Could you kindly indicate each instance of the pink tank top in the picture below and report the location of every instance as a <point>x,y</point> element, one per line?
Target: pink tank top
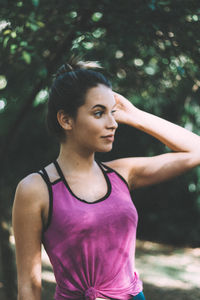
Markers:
<point>92,245</point>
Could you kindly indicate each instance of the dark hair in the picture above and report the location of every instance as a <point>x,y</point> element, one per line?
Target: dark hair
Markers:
<point>68,92</point>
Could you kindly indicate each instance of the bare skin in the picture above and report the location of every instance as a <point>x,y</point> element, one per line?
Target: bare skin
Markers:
<point>96,119</point>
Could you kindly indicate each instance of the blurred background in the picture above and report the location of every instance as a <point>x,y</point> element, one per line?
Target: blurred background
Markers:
<point>150,50</point>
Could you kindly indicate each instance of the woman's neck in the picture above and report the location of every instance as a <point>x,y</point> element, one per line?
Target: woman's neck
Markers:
<point>72,160</point>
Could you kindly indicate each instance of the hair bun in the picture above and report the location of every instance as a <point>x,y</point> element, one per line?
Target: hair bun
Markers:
<point>64,69</point>
<point>75,63</point>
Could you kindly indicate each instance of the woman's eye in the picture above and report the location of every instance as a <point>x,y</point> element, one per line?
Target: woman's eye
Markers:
<point>113,111</point>
<point>98,113</point>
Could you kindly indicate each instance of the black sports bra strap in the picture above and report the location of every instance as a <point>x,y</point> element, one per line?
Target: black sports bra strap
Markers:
<point>104,167</point>
<point>46,175</point>
<point>110,170</point>
<point>43,176</point>
<point>58,169</point>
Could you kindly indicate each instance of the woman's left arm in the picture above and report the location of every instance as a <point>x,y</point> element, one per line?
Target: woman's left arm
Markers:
<point>142,171</point>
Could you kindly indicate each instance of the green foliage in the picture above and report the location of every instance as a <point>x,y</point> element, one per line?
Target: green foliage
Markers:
<point>150,51</point>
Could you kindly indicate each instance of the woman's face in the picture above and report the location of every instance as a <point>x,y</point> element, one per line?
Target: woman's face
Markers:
<point>95,125</point>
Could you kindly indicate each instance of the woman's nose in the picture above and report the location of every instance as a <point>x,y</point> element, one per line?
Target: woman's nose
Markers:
<point>111,123</point>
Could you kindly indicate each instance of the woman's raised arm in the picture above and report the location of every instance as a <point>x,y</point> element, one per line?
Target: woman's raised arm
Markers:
<point>28,209</point>
<point>150,170</point>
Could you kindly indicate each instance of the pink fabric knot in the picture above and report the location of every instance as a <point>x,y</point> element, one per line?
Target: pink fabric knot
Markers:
<point>90,294</point>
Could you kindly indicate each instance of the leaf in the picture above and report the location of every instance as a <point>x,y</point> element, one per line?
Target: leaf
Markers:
<point>23,43</point>
<point>13,34</point>
<point>36,2</point>
<point>13,48</point>
<point>5,42</point>
<point>26,57</point>
<point>40,24</point>
<point>8,31</point>
<point>97,16</point>
<point>33,27</point>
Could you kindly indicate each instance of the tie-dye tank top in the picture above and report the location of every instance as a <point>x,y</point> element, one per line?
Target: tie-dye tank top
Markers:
<point>91,245</point>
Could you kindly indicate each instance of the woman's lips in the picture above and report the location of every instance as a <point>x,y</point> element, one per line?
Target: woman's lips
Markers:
<point>109,137</point>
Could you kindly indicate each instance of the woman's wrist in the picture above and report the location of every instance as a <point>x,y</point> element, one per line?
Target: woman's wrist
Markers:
<point>135,118</point>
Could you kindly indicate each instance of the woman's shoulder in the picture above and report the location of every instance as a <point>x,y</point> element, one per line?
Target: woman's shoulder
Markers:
<point>120,166</point>
<point>31,190</point>
<point>30,183</point>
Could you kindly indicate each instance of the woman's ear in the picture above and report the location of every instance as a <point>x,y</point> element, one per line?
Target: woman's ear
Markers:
<point>64,120</point>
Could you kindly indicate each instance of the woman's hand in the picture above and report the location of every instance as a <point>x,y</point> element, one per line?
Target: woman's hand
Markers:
<point>125,110</point>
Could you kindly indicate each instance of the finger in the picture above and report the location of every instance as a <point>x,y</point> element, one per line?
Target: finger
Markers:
<point>116,96</point>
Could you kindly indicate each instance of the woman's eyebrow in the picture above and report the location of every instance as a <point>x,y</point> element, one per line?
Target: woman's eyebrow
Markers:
<point>101,106</point>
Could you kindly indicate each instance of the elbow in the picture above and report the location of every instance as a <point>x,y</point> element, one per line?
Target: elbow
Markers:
<point>194,160</point>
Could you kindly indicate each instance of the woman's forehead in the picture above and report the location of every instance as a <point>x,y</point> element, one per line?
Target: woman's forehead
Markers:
<point>100,95</point>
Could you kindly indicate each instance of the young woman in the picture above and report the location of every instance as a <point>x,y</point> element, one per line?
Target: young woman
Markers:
<point>81,209</point>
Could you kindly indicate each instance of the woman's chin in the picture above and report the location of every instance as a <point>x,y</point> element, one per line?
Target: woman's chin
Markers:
<point>105,149</point>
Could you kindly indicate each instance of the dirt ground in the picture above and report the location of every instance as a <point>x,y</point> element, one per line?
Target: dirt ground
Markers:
<point>168,273</point>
